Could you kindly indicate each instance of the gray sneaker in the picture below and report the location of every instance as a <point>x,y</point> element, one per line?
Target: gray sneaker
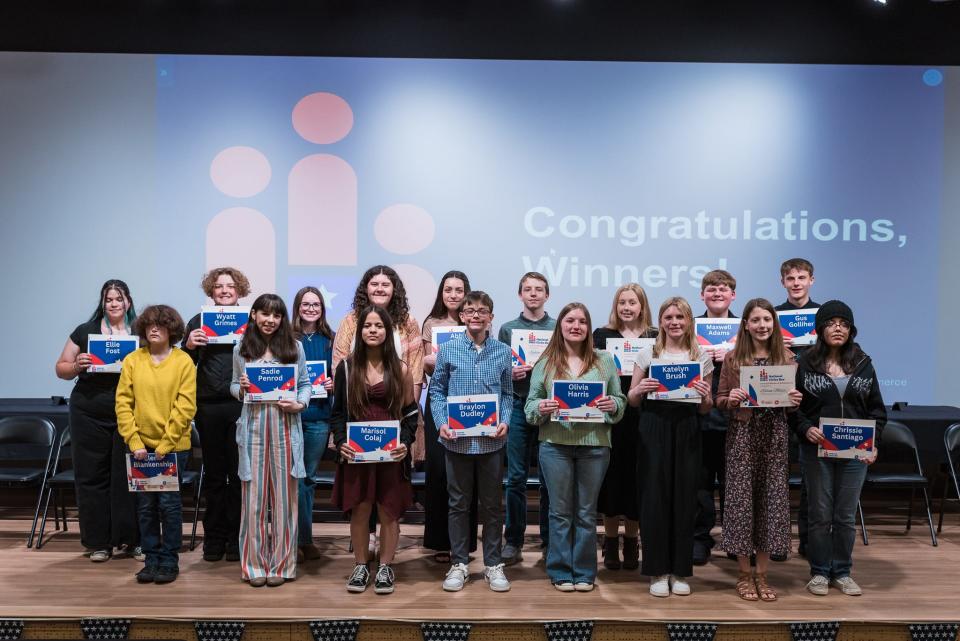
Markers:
<point>818,585</point>
<point>493,574</point>
<point>847,585</point>
<point>457,577</point>
<point>511,554</point>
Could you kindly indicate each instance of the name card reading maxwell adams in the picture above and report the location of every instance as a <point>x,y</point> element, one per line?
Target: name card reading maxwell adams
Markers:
<point>676,380</point>
<point>107,352</point>
<point>442,333</point>
<point>224,325</point>
<point>768,385</point>
<point>153,474</point>
<point>624,352</point>
<point>578,400</point>
<point>271,383</point>
<point>372,440</point>
<point>528,344</point>
<point>800,325</point>
<point>847,438</point>
<point>317,371</point>
<point>717,332</point>
<point>476,415</point>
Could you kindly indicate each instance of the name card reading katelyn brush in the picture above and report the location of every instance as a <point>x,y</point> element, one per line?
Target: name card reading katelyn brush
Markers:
<point>271,383</point>
<point>676,380</point>
<point>224,325</point>
<point>372,441</point>
<point>153,474</point>
<point>800,325</point>
<point>317,371</point>
<point>476,415</point>
<point>442,333</point>
<point>107,352</point>
<point>624,352</point>
<point>717,332</point>
<point>768,385</point>
<point>578,400</point>
<point>528,344</point>
<point>847,438</point>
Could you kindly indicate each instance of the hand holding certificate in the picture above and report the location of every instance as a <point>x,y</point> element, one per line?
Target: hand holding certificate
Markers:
<point>847,438</point>
<point>107,352</point>
<point>581,401</point>
<point>528,344</point>
<point>473,415</point>
<point>224,325</point>
<point>270,383</point>
<point>624,352</point>
<point>153,474</point>
<point>317,371</point>
<point>768,385</point>
<point>799,327</point>
<point>677,381</point>
<point>373,442</point>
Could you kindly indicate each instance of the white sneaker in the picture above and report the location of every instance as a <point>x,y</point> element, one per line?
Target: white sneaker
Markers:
<point>494,576</point>
<point>847,585</point>
<point>660,585</point>
<point>818,585</point>
<point>679,585</point>
<point>583,586</point>
<point>457,577</point>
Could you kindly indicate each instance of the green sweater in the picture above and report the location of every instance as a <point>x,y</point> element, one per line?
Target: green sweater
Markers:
<point>575,433</point>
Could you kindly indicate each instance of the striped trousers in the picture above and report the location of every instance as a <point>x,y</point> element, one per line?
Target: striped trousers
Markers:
<point>268,523</point>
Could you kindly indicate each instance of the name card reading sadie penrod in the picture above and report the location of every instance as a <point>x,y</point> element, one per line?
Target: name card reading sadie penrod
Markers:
<point>271,383</point>
<point>372,441</point>
<point>847,438</point>
<point>528,344</point>
<point>473,415</point>
<point>676,380</point>
<point>224,325</point>
<point>624,352</point>
<point>717,332</point>
<point>317,371</point>
<point>153,474</point>
<point>800,325</point>
<point>578,400</point>
<point>441,334</point>
<point>107,352</point>
<point>768,385</point>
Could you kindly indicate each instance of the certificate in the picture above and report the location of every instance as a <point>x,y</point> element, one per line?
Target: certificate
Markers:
<point>528,344</point>
<point>717,332</point>
<point>624,352</point>
<point>847,438</point>
<point>800,325</point>
<point>578,400</point>
<point>676,380</point>
<point>153,474</point>
<point>473,415</point>
<point>224,325</point>
<point>768,385</point>
<point>107,352</point>
<point>442,333</point>
<point>271,383</point>
<point>372,441</point>
<point>317,371</point>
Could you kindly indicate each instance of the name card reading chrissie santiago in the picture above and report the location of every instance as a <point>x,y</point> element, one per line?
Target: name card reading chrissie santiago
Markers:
<point>271,383</point>
<point>527,345</point>
<point>847,438</point>
<point>153,474</point>
<point>224,325</point>
<point>473,415</point>
<point>800,325</point>
<point>717,332</point>
<point>317,371</point>
<point>578,400</point>
<point>624,352</point>
<point>768,385</point>
<point>676,380</point>
<point>442,333</point>
<point>107,352</point>
<point>372,441</point>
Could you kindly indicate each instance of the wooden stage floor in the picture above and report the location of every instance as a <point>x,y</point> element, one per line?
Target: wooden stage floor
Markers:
<point>904,578</point>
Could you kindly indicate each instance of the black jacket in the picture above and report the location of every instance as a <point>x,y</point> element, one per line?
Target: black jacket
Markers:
<point>339,415</point>
<point>214,367</point>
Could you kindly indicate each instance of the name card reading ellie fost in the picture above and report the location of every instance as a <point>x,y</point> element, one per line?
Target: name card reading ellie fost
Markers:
<point>847,438</point>
<point>717,332</point>
<point>224,325</point>
<point>800,325</point>
<point>624,352</point>
<point>578,400</point>
<point>476,415</point>
<point>443,333</point>
<point>152,474</point>
<point>271,383</point>
<point>527,345</point>
<point>372,441</point>
<point>107,352</point>
<point>768,385</point>
<point>676,380</point>
<point>317,371</point>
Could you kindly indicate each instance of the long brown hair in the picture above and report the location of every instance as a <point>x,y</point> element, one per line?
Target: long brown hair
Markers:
<point>282,344</point>
<point>357,398</point>
<point>743,353</point>
<point>689,340</point>
<point>555,354</point>
<point>323,328</point>
<point>646,319</point>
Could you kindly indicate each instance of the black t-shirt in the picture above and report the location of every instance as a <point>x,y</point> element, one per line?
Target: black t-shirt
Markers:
<point>94,394</point>
<point>600,336</point>
<point>214,367</point>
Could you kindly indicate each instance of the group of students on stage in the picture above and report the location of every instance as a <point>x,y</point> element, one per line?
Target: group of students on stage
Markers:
<point>651,464</point>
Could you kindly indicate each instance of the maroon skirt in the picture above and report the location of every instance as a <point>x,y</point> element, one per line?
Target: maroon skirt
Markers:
<point>382,484</point>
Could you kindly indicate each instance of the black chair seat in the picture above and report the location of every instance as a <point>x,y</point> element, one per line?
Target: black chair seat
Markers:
<point>795,480</point>
<point>63,479</point>
<point>905,479</point>
<point>324,478</point>
<point>189,477</point>
<point>418,479</point>
<point>21,476</point>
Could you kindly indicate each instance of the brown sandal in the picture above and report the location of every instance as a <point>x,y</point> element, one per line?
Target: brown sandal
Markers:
<point>763,588</point>
<point>746,588</point>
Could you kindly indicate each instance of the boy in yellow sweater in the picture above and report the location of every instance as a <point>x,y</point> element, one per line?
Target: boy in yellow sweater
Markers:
<point>156,400</point>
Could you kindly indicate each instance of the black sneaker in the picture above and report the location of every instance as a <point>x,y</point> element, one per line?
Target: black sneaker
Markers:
<point>701,553</point>
<point>147,575</point>
<point>213,551</point>
<point>359,579</point>
<point>166,574</point>
<point>383,583</point>
<point>232,553</point>
<point>778,558</point>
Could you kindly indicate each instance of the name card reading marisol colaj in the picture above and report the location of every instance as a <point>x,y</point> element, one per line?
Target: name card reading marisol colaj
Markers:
<point>768,385</point>
<point>624,352</point>
<point>847,438</point>
<point>676,380</point>
<point>800,325</point>
<point>317,371</point>
<point>107,352</point>
<point>527,345</point>
<point>224,325</point>
<point>372,441</point>
<point>476,415</point>
<point>153,474</point>
<point>578,400</point>
<point>717,332</point>
<point>271,383</point>
<point>443,333</point>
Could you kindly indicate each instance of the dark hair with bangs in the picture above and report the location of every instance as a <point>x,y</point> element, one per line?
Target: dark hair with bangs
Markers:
<point>281,343</point>
<point>162,316</point>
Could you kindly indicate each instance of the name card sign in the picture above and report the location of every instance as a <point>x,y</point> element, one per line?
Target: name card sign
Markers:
<point>224,325</point>
<point>847,438</point>
<point>676,380</point>
<point>153,474</point>
<point>107,352</point>
<point>443,333</point>
<point>271,383</point>
<point>317,371</point>
<point>624,352</point>
<point>717,332</point>
<point>799,325</point>
<point>768,385</point>
<point>372,441</point>
<point>473,415</point>
<point>578,400</point>
<point>527,345</point>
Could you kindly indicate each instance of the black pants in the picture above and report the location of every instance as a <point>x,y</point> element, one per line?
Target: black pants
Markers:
<point>108,509</point>
<point>712,474</point>
<point>436,535</point>
<point>217,425</point>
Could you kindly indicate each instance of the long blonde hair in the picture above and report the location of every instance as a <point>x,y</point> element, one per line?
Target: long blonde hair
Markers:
<point>646,319</point>
<point>689,340</point>
<point>555,355</point>
<point>743,349</point>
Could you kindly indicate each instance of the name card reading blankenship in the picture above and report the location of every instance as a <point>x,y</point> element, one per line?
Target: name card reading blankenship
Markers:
<point>317,371</point>
<point>371,441</point>
<point>799,325</point>
<point>271,383</point>
<point>152,474</point>
<point>768,385</point>
<point>527,345</point>
<point>473,415</point>
<point>578,400</point>
<point>107,352</point>
<point>624,352</point>
<point>847,438</point>
<point>676,380</point>
<point>224,325</point>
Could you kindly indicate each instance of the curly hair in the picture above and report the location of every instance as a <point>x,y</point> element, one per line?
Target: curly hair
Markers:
<point>398,308</point>
<point>210,279</point>
<point>163,316</point>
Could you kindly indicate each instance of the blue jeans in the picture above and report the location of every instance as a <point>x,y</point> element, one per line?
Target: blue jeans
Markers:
<point>160,515</point>
<point>315,435</point>
<point>833,489</point>
<point>522,440</point>
<point>574,474</point>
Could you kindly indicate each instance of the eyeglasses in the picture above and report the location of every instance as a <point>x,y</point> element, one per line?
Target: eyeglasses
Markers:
<point>470,312</point>
<point>842,324</point>
<point>311,305</point>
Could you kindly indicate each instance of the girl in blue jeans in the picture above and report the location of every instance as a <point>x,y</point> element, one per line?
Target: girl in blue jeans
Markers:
<point>573,455</point>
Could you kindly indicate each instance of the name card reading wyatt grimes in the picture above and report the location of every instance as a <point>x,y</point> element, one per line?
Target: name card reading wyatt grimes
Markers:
<point>578,400</point>
<point>224,325</point>
<point>372,441</point>
<point>271,383</point>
